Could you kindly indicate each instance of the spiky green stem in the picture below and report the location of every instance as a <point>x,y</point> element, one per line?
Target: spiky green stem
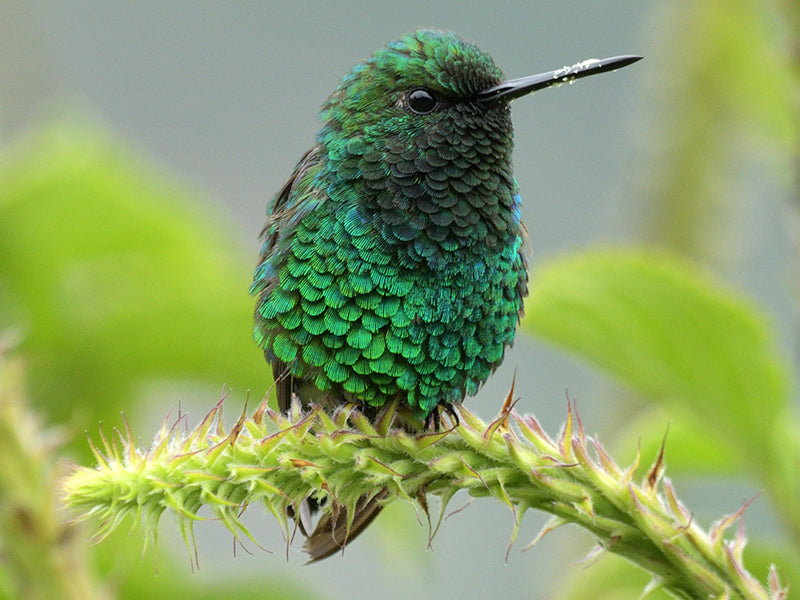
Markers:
<point>280,460</point>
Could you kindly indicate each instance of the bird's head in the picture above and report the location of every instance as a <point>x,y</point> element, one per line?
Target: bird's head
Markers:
<point>419,136</point>
<point>408,138</point>
<point>425,82</point>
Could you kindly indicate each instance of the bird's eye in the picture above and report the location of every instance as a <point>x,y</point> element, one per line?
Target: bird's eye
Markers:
<point>421,101</point>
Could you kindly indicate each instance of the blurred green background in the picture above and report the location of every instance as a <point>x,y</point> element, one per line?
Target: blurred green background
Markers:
<point>142,141</point>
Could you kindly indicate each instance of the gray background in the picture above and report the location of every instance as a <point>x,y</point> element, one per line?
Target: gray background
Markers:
<point>225,95</point>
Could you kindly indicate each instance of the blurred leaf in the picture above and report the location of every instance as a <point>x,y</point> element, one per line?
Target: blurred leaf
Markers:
<point>670,333</point>
<point>689,450</point>
<point>117,275</point>
<point>610,578</point>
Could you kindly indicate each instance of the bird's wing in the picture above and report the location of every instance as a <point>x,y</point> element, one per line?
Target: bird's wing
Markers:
<point>297,198</point>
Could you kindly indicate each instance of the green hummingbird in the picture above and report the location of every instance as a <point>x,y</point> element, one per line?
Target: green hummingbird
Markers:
<point>393,265</point>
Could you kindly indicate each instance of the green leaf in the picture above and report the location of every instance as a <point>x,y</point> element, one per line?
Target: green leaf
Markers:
<point>116,276</point>
<point>612,579</point>
<point>689,450</point>
<point>668,331</point>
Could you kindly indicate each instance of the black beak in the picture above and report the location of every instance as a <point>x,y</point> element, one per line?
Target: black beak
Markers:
<point>514,88</point>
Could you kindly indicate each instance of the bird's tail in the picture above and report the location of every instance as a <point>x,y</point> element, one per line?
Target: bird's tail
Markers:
<point>336,528</point>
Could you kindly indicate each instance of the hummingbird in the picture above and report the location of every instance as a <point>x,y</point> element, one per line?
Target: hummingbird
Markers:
<point>394,259</point>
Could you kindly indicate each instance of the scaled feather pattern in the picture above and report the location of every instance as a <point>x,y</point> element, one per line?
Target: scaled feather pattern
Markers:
<point>393,261</point>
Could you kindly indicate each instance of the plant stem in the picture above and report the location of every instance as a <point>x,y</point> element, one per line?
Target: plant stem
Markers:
<point>281,460</point>
<point>45,558</point>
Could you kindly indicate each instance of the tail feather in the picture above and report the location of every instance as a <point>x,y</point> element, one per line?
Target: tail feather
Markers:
<point>335,529</point>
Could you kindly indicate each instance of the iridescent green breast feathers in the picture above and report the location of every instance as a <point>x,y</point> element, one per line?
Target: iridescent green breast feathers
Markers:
<point>393,260</point>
